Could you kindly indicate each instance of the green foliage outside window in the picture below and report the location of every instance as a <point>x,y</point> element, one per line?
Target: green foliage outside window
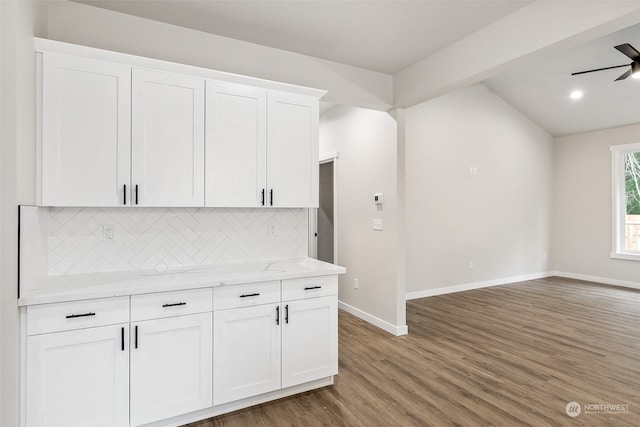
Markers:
<point>632,182</point>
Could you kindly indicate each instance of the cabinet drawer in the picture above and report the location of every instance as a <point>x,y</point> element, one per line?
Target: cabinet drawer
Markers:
<point>169,304</point>
<point>309,287</point>
<point>66,316</point>
<point>247,295</point>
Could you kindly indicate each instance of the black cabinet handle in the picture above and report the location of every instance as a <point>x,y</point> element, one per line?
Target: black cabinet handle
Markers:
<point>136,337</point>
<point>308,288</point>
<point>286,313</point>
<point>136,194</point>
<point>271,197</point>
<point>248,295</point>
<point>277,315</point>
<point>263,197</point>
<point>174,304</point>
<point>73,316</point>
<point>124,193</point>
<point>122,337</point>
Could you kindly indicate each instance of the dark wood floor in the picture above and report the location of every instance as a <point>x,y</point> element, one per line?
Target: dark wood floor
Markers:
<point>506,356</point>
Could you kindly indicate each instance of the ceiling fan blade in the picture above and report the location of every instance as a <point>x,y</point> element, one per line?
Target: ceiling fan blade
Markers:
<point>600,69</point>
<point>629,50</point>
<point>624,76</point>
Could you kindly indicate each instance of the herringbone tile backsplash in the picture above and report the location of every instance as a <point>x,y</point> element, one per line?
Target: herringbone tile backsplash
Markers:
<point>147,238</point>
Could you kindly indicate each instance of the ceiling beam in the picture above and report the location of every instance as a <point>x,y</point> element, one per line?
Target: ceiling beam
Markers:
<point>538,29</point>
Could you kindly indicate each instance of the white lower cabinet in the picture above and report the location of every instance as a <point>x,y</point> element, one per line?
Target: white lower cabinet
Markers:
<point>246,352</point>
<point>309,340</point>
<point>170,367</point>
<point>171,354</point>
<point>131,361</point>
<point>78,378</point>
<point>266,347</point>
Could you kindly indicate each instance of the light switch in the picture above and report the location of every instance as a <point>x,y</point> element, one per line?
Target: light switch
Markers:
<point>377,224</point>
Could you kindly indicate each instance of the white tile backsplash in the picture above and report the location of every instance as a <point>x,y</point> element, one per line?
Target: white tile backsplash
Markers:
<point>147,238</point>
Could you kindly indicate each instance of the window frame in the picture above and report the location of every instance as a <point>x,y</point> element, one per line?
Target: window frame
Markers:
<point>618,202</point>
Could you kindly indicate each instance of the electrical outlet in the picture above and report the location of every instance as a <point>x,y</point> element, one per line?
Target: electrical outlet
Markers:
<point>108,232</point>
<point>470,265</point>
<point>377,224</point>
<point>355,283</point>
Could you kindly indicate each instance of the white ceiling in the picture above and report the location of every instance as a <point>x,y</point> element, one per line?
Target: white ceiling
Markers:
<point>383,35</point>
<point>389,35</point>
<point>541,90</point>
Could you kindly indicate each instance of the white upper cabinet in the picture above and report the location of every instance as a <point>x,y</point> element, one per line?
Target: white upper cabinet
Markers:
<point>86,116</point>
<point>292,150</point>
<point>130,131</point>
<point>236,145</point>
<point>167,129</point>
<point>262,147</point>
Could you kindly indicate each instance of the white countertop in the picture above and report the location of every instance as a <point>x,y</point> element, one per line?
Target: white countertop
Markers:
<point>101,285</point>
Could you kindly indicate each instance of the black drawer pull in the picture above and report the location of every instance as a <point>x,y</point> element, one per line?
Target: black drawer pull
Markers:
<point>122,338</point>
<point>73,316</point>
<point>277,315</point>
<point>174,304</point>
<point>308,288</point>
<point>286,313</point>
<point>248,295</point>
<point>136,337</point>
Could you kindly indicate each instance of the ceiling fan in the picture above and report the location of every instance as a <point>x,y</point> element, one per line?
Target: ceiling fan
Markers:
<point>632,53</point>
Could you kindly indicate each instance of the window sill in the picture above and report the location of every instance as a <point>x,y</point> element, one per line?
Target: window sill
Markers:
<point>629,256</point>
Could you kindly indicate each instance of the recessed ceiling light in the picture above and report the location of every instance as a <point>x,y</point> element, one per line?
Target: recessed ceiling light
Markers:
<point>576,94</point>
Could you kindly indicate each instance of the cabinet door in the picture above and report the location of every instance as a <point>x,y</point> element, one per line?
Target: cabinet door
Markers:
<point>167,131</point>
<point>309,340</point>
<point>292,150</point>
<point>78,378</point>
<point>235,145</point>
<point>246,352</point>
<point>86,132</point>
<point>171,362</point>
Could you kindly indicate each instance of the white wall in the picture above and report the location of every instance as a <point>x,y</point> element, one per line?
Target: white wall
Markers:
<point>105,29</point>
<point>499,218</point>
<point>20,21</point>
<point>582,206</point>
<point>366,142</point>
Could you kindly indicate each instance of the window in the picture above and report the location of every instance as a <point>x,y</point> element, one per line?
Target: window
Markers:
<point>625,179</point>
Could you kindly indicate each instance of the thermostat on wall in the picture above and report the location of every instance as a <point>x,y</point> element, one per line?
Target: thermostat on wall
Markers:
<point>378,198</point>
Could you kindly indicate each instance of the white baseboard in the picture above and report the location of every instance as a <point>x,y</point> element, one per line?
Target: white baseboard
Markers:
<point>605,280</point>
<point>375,321</point>
<point>477,285</point>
